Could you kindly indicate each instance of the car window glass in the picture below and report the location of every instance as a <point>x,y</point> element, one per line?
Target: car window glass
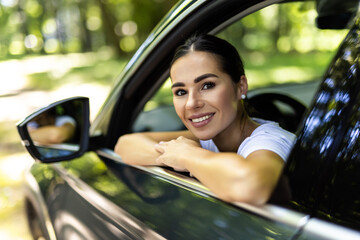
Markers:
<point>283,52</point>
<point>280,44</point>
<point>330,141</point>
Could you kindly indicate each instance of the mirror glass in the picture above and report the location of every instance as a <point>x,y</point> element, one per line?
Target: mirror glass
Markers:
<point>57,131</point>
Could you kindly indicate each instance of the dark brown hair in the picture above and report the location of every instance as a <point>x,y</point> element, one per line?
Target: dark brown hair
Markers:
<point>229,59</point>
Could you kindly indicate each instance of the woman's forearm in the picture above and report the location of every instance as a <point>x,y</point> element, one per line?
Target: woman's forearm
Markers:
<point>52,134</point>
<point>233,178</point>
<point>137,149</point>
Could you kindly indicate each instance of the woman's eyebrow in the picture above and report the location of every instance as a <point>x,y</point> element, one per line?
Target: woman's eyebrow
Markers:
<point>178,84</point>
<point>204,76</point>
<point>196,80</point>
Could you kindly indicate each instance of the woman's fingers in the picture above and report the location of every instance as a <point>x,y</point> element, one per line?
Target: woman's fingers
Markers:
<point>159,148</point>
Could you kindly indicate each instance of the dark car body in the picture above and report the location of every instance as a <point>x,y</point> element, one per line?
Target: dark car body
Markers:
<point>97,196</point>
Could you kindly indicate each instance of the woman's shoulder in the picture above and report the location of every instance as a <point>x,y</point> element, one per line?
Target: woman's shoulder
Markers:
<point>268,136</point>
<point>270,127</point>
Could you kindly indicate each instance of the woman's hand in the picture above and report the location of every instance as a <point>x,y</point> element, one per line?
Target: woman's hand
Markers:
<point>172,152</point>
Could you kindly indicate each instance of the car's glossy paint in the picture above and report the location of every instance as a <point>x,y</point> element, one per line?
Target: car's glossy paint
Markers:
<point>36,208</point>
<point>92,204</point>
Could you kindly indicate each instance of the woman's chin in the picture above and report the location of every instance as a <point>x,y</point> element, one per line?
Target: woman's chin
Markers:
<point>204,136</point>
<point>201,134</point>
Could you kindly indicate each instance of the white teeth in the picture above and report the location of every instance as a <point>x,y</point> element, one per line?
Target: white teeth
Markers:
<point>196,120</point>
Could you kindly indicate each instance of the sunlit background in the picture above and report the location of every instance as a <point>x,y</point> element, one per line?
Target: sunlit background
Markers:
<point>50,50</point>
<point>54,49</point>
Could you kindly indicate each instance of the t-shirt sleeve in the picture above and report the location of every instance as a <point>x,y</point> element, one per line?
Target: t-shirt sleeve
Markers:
<point>209,145</point>
<point>276,140</point>
<point>61,120</point>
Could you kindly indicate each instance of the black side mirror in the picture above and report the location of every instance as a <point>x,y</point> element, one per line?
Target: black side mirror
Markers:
<point>335,14</point>
<point>57,132</point>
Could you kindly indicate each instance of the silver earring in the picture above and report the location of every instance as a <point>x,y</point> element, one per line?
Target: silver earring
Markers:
<point>243,96</point>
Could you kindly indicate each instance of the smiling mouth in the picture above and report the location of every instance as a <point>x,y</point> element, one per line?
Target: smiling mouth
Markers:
<point>201,119</point>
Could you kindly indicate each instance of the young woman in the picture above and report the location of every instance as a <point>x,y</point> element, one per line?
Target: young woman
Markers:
<point>238,158</point>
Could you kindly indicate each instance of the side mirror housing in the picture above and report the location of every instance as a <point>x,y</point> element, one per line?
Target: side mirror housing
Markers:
<point>335,14</point>
<point>57,132</point>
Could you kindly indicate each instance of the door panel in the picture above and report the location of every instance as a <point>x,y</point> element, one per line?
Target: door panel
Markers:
<point>98,198</point>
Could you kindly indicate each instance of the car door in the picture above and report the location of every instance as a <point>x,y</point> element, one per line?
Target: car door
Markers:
<point>124,200</point>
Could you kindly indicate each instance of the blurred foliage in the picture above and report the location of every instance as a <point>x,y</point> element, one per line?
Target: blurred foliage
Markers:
<point>67,26</point>
<point>281,43</point>
<point>284,28</point>
<point>100,72</point>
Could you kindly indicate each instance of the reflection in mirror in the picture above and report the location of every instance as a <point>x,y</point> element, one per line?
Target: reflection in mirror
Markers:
<point>56,132</point>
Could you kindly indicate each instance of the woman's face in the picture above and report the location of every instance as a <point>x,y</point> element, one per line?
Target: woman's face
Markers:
<point>205,98</point>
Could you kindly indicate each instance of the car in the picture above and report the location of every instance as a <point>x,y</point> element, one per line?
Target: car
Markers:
<point>79,188</point>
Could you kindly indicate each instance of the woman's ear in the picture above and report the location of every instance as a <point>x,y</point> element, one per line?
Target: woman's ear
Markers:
<point>242,87</point>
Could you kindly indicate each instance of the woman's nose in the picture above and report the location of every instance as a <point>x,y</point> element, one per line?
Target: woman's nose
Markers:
<point>193,101</point>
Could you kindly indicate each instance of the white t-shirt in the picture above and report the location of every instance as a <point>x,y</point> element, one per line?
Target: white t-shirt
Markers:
<point>59,121</point>
<point>268,136</point>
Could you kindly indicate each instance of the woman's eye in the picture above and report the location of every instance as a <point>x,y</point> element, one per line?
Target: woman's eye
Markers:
<point>208,85</point>
<point>180,92</point>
